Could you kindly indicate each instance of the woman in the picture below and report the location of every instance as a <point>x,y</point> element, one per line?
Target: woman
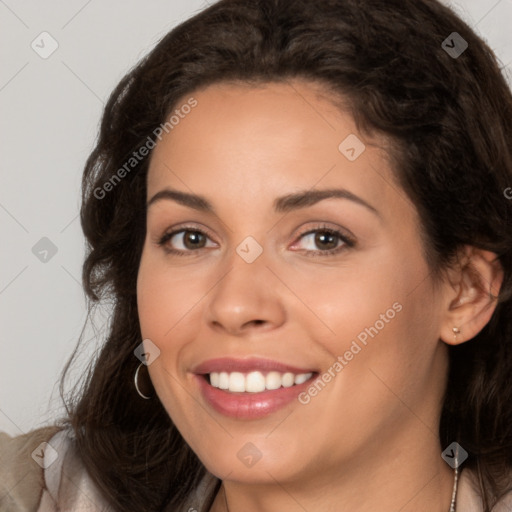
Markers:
<point>299,212</point>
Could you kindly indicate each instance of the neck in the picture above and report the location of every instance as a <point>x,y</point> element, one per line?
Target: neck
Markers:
<point>410,477</point>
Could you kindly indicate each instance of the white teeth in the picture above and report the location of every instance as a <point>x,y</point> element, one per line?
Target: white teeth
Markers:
<point>215,379</point>
<point>303,377</point>
<point>255,382</point>
<point>236,382</point>
<point>273,380</point>
<point>223,380</point>
<point>288,380</point>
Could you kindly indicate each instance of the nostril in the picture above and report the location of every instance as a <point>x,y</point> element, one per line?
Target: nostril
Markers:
<point>252,323</point>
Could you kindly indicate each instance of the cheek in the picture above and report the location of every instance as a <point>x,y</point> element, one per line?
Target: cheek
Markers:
<point>385,325</point>
<point>169,308</point>
<point>165,297</point>
<point>379,314</point>
<point>363,293</point>
<point>162,301</point>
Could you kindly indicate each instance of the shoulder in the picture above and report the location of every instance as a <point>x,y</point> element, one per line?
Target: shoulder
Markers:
<point>22,469</point>
<point>469,499</point>
<point>41,471</point>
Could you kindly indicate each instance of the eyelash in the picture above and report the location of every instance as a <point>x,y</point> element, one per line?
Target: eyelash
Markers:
<point>348,242</point>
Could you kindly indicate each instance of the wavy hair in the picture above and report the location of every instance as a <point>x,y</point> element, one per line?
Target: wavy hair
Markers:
<point>449,124</point>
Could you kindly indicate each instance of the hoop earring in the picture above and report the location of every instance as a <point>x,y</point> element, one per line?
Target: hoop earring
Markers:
<point>136,381</point>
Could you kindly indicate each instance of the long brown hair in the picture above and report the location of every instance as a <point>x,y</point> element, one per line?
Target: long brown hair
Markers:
<point>448,119</point>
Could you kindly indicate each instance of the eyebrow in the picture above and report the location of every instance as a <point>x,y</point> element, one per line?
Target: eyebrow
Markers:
<point>284,204</point>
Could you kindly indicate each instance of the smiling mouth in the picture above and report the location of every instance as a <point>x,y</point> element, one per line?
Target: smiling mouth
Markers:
<point>252,395</point>
<point>250,388</point>
<point>255,381</point>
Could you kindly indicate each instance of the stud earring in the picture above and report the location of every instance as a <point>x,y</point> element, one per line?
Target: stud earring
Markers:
<point>456,331</point>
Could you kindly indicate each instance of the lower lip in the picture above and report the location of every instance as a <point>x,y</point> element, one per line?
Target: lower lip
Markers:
<point>249,405</point>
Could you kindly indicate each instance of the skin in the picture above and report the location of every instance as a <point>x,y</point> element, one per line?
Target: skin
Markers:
<point>368,441</point>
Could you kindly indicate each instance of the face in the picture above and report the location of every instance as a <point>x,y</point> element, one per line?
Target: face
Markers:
<point>316,311</point>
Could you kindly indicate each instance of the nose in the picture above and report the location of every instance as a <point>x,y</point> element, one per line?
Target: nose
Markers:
<point>246,298</point>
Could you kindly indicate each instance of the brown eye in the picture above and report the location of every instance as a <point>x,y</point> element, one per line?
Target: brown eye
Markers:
<point>184,241</point>
<point>193,239</point>
<point>322,239</point>
<point>325,241</point>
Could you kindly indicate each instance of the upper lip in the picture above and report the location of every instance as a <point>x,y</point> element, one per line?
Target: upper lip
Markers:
<point>229,364</point>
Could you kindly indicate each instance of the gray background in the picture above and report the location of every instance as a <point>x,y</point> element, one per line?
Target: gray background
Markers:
<point>50,112</point>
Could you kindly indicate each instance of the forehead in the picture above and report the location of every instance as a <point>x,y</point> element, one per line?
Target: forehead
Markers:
<point>253,117</point>
<point>244,141</point>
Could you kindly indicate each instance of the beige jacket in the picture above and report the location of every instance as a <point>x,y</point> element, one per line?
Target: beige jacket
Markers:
<point>41,472</point>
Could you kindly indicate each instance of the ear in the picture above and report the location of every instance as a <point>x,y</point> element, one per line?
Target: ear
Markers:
<point>472,299</point>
